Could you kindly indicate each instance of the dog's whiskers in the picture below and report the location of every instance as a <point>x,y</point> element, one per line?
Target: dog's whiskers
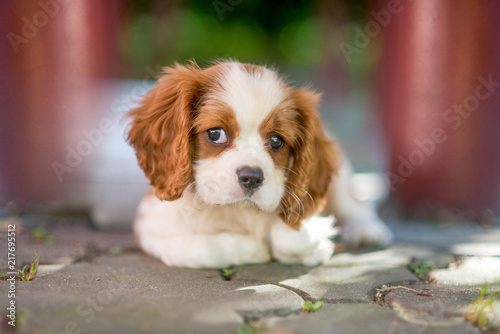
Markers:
<point>305,191</point>
<point>297,199</point>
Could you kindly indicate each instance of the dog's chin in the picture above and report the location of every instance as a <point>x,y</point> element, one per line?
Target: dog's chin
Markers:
<point>248,203</point>
<point>244,203</point>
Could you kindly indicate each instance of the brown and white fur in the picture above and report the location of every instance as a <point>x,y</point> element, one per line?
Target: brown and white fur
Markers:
<point>241,167</point>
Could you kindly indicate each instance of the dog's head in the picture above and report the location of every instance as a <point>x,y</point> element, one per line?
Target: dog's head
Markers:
<point>236,133</point>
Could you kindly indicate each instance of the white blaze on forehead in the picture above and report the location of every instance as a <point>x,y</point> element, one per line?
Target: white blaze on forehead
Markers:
<point>251,95</point>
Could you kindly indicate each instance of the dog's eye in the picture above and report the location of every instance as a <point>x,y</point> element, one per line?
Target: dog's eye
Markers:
<point>217,136</point>
<point>276,143</point>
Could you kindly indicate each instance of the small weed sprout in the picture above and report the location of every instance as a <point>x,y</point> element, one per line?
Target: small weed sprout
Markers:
<point>227,273</point>
<point>482,312</point>
<point>21,318</point>
<point>40,235</point>
<point>421,269</point>
<point>309,307</point>
<point>250,328</point>
<point>115,250</point>
<point>29,271</point>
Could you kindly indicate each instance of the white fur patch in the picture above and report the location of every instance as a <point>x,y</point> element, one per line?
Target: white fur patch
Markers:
<point>251,95</point>
<point>310,246</point>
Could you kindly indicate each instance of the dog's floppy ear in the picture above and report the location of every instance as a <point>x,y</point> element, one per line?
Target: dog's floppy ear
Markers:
<point>160,130</point>
<point>314,163</point>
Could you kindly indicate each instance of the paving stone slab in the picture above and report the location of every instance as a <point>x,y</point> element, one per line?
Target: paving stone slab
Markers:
<point>70,240</point>
<point>132,292</point>
<point>437,305</point>
<point>358,318</point>
<point>398,254</point>
<point>273,272</point>
<point>471,270</point>
<point>349,284</point>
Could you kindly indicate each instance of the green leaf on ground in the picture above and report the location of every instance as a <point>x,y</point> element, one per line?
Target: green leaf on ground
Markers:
<point>39,234</point>
<point>309,307</point>
<point>29,271</point>
<point>482,312</point>
<point>227,273</point>
<point>421,269</point>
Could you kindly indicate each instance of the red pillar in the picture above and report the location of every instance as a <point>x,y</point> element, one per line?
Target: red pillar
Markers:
<point>50,53</point>
<point>440,90</point>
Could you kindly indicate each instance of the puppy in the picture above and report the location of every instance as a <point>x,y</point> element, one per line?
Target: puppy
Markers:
<point>240,167</point>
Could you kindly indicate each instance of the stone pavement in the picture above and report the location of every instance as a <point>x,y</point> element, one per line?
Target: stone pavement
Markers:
<point>99,282</point>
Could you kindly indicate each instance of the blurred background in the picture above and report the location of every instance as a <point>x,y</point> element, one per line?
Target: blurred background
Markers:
<point>410,88</point>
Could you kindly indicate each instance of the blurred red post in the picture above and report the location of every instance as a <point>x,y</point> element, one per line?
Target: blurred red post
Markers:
<point>51,51</point>
<point>440,91</point>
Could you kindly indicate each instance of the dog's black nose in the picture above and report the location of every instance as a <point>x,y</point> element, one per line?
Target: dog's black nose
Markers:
<point>250,178</point>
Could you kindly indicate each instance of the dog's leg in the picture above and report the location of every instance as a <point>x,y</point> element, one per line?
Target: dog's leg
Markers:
<point>310,246</point>
<point>174,233</point>
<point>206,251</point>
<point>359,222</point>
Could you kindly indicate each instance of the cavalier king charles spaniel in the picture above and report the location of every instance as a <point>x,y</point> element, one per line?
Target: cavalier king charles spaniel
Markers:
<point>242,172</point>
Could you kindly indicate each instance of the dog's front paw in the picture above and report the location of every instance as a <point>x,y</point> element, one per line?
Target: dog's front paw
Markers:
<point>365,232</point>
<point>314,255</point>
<point>311,246</point>
<point>317,255</point>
